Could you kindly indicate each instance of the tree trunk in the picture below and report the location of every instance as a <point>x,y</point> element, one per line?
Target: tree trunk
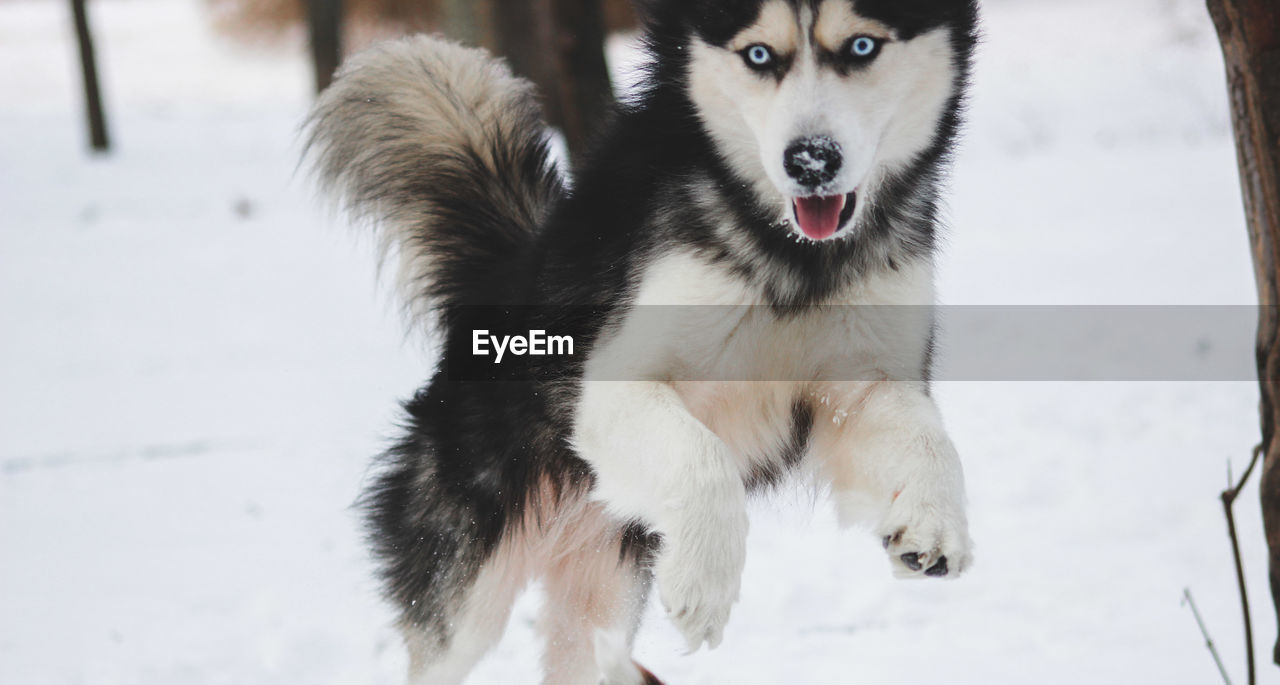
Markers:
<point>559,45</point>
<point>522,34</point>
<point>1250,35</point>
<point>324,21</point>
<point>470,21</point>
<point>89,67</point>
<point>577,48</point>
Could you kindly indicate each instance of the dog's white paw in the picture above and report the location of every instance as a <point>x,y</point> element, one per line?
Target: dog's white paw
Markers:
<point>926,534</point>
<point>699,578</point>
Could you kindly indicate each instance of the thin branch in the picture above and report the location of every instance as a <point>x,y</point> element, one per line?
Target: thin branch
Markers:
<point>1208,641</point>
<point>1235,491</point>
<point>1228,499</point>
<point>89,69</point>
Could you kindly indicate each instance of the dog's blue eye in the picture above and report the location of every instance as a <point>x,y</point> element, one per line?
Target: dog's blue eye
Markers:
<point>758,57</point>
<point>864,47</point>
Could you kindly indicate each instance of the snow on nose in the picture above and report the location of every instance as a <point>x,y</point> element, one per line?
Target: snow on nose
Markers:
<point>812,162</point>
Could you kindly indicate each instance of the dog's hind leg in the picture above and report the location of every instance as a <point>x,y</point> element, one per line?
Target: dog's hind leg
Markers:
<point>445,646</point>
<point>597,583</point>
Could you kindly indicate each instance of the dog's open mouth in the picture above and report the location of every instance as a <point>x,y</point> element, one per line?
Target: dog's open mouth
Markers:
<point>820,217</point>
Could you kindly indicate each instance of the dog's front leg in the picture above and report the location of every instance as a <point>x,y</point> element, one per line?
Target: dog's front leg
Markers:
<point>892,464</point>
<point>655,462</point>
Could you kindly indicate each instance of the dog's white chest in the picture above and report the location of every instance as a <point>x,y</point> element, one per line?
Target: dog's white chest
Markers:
<point>740,366</point>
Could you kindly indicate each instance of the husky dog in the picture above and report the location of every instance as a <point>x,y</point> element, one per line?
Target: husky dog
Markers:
<point>781,162</point>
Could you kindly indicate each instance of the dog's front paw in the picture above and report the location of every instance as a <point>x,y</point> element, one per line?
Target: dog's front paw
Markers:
<point>698,581</point>
<point>926,536</point>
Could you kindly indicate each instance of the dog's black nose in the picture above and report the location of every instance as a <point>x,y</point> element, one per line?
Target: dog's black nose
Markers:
<point>812,162</point>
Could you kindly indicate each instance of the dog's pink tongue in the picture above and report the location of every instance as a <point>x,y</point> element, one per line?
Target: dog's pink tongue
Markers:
<point>819,217</point>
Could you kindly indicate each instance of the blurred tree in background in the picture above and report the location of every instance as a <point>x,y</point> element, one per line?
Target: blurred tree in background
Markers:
<point>557,44</point>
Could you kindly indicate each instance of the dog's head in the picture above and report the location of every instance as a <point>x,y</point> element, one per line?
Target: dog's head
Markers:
<point>816,103</point>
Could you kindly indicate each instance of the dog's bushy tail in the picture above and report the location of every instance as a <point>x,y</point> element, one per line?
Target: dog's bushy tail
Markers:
<point>445,152</point>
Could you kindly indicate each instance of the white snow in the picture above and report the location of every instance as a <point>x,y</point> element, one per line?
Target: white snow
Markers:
<point>195,367</point>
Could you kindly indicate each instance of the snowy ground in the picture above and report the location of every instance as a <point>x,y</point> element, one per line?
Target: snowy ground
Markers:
<point>195,367</point>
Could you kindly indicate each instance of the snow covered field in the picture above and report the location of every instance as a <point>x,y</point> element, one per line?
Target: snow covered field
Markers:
<point>196,365</point>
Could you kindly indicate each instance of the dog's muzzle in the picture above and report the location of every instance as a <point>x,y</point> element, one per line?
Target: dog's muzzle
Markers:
<point>812,162</point>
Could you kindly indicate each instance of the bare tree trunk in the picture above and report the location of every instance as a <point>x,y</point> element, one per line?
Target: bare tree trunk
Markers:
<point>559,45</point>
<point>1250,34</point>
<point>89,67</point>
<point>578,50</point>
<point>522,34</point>
<point>324,21</point>
<point>471,21</point>
<point>620,15</point>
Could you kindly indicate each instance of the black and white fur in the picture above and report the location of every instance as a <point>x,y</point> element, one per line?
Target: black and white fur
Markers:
<point>599,488</point>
